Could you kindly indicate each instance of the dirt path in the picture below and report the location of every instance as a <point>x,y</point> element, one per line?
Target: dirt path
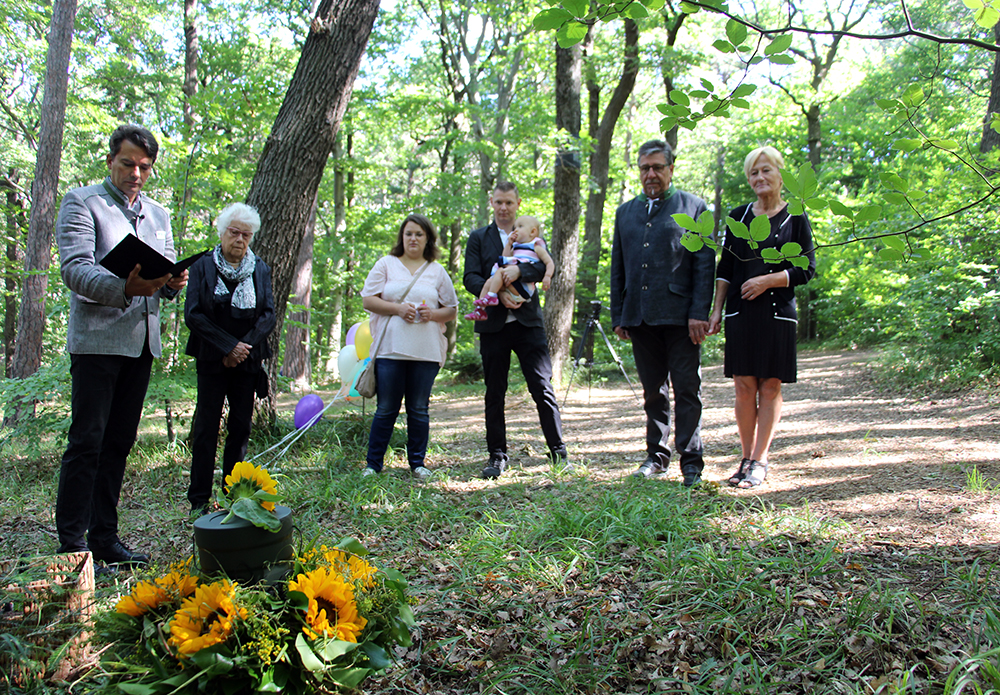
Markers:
<point>893,467</point>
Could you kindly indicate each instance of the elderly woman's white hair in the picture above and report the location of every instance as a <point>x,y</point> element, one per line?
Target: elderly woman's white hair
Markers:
<point>237,212</point>
<point>770,154</point>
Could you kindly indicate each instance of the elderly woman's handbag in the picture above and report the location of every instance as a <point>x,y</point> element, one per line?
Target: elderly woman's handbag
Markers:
<point>367,385</point>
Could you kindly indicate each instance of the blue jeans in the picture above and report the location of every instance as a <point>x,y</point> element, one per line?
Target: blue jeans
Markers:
<point>396,379</point>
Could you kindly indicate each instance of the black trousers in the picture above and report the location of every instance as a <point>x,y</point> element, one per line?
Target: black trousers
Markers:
<point>214,387</point>
<point>532,350</point>
<point>107,396</point>
<point>664,357</point>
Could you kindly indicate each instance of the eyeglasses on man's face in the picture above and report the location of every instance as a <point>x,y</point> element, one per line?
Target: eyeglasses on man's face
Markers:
<point>646,168</point>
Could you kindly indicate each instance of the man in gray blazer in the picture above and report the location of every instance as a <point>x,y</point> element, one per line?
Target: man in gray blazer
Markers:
<point>113,336</point>
<point>661,294</point>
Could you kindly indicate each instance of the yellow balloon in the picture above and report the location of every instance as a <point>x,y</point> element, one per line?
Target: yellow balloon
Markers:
<point>363,340</point>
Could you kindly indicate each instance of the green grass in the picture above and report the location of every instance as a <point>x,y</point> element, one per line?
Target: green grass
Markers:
<point>557,583</point>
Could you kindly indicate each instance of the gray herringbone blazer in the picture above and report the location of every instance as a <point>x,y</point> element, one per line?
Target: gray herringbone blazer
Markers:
<point>92,220</point>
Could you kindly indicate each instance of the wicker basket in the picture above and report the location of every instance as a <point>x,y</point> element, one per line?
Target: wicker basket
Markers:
<point>47,605</point>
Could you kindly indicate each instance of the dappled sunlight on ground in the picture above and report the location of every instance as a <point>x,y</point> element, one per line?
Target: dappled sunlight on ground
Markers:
<point>893,466</point>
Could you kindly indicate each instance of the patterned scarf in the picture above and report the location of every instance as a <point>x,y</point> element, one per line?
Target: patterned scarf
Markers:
<point>244,296</point>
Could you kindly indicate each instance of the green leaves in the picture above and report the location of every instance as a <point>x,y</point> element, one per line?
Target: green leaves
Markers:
<point>984,13</point>
<point>571,34</point>
<point>551,19</point>
<point>760,228</point>
<point>699,232</point>
<point>249,508</point>
<point>736,32</point>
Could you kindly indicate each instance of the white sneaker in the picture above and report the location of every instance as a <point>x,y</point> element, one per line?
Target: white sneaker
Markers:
<point>368,471</point>
<point>421,473</point>
<point>649,469</point>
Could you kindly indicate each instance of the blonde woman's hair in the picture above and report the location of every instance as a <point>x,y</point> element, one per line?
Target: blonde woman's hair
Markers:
<point>772,155</point>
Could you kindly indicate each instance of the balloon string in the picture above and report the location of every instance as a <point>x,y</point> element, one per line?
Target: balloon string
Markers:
<point>293,436</point>
<point>289,439</point>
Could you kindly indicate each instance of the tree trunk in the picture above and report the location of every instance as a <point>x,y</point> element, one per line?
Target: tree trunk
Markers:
<point>297,364</point>
<point>672,23</point>
<point>602,132</point>
<point>14,219</point>
<point>991,138</point>
<point>720,173</point>
<point>565,239</point>
<point>291,166</point>
<point>190,89</point>
<point>38,256</point>
<point>814,131</point>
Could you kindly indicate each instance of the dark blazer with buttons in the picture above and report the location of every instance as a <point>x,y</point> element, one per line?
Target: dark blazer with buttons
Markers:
<point>481,253</point>
<point>738,262</point>
<point>655,280</point>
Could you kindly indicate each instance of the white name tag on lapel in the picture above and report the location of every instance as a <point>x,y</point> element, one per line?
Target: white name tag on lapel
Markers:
<point>161,234</point>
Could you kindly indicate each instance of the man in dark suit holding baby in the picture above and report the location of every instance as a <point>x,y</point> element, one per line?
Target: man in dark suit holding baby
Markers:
<point>511,327</point>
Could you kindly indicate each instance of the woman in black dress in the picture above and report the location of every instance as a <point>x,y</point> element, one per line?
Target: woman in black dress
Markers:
<point>760,315</point>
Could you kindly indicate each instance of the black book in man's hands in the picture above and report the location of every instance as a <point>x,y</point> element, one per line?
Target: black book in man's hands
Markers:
<point>131,250</point>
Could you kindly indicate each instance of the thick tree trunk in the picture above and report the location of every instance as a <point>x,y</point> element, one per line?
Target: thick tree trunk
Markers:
<point>189,89</point>
<point>455,256</point>
<point>601,132</point>
<point>38,256</point>
<point>291,165</point>
<point>565,241</point>
<point>297,365</point>
<point>191,52</point>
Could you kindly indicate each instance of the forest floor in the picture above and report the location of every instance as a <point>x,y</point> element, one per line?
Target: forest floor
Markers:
<point>895,467</point>
<point>504,572</point>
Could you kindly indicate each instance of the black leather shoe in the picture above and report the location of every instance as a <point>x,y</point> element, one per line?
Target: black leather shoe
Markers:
<point>496,466</point>
<point>691,478</point>
<point>118,554</point>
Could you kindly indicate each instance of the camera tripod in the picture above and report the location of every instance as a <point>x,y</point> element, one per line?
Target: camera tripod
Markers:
<point>595,320</point>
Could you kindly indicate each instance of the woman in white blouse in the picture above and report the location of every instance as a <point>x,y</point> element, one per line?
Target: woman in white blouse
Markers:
<point>413,348</point>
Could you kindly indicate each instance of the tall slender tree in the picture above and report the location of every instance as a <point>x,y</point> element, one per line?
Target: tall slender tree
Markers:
<point>38,256</point>
<point>601,128</point>
<point>565,238</point>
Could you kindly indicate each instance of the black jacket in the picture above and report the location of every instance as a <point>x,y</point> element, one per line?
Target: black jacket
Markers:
<point>481,253</point>
<point>209,341</point>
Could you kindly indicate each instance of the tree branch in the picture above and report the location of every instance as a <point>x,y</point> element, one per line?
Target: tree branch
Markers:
<point>993,48</point>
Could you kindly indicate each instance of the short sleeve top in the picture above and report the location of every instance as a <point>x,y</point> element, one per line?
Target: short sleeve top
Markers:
<point>423,341</point>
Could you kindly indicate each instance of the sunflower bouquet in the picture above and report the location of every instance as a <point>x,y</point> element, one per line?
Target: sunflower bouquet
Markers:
<point>332,623</point>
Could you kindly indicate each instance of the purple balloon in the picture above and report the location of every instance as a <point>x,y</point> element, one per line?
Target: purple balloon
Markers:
<point>350,334</point>
<point>306,409</point>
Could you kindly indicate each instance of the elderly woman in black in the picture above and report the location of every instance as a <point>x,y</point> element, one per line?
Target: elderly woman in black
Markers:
<point>230,312</point>
<point>761,321</point>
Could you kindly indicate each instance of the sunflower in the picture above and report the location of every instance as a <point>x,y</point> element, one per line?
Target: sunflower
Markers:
<point>246,479</point>
<point>150,595</point>
<point>146,596</point>
<point>360,571</point>
<point>179,582</point>
<point>206,618</point>
<point>332,611</point>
